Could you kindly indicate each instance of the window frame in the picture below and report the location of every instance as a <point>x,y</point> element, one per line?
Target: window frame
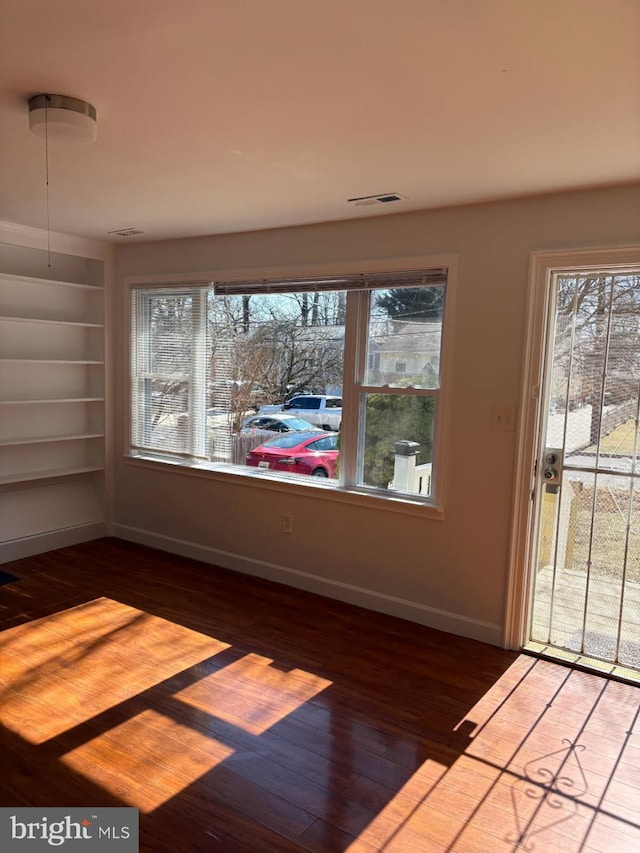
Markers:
<point>354,396</point>
<point>355,357</point>
<point>195,379</point>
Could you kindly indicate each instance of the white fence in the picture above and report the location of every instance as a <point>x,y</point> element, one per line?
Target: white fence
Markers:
<point>411,478</point>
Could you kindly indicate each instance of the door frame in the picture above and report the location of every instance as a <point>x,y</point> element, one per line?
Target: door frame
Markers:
<point>534,359</point>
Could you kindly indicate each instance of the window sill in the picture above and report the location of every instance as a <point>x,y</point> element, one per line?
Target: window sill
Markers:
<point>316,488</point>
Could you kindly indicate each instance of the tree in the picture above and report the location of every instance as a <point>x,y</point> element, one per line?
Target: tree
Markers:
<point>392,418</point>
<point>264,350</point>
<point>597,342</point>
<point>246,313</point>
<point>412,303</point>
<point>301,358</point>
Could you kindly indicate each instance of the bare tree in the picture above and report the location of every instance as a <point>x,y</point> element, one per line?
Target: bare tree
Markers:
<point>298,358</point>
<point>597,341</point>
<point>265,348</point>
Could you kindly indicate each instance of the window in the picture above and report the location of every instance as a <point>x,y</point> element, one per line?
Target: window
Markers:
<point>356,357</point>
<point>327,442</point>
<point>169,363</point>
<point>303,403</point>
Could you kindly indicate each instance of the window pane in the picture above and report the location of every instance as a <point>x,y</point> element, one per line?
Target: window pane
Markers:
<point>268,348</point>
<point>171,334</point>
<point>398,439</point>
<point>166,357</point>
<point>303,403</point>
<point>167,421</point>
<point>327,442</point>
<point>405,330</point>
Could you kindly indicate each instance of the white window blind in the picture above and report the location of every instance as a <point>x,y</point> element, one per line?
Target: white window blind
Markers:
<point>169,367</point>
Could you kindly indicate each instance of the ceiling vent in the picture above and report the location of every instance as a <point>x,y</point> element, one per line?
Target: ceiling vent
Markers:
<point>126,232</point>
<point>380,198</point>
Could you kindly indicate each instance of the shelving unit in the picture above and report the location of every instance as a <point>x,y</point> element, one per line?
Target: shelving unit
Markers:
<point>52,424</point>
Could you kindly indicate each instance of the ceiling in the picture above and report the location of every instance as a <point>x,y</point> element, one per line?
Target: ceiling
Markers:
<point>218,116</point>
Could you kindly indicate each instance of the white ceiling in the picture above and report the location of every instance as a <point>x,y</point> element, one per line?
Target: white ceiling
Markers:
<point>231,115</point>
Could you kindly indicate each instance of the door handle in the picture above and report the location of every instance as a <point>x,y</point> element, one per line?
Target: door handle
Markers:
<point>552,461</point>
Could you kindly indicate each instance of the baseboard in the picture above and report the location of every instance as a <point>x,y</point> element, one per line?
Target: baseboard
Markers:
<point>442,620</point>
<point>28,546</point>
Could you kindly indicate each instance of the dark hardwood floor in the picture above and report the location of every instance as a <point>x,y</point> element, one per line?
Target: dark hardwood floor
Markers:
<point>240,715</point>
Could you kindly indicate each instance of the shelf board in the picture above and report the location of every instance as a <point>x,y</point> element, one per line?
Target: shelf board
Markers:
<point>48,361</point>
<point>27,279</point>
<point>52,322</point>
<point>48,475</point>
<point>48,439</point>
<point>63,400</point>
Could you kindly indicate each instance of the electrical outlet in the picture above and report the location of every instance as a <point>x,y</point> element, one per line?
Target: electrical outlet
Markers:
<point>286,524</point>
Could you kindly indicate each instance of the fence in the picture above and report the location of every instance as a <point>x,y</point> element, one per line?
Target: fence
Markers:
<point>422,479</point>
<point>233,449</point>
<point>578,425</point>
<point>411,478</point>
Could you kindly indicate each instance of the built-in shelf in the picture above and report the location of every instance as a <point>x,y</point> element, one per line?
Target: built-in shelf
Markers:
<point>49,361</point>
<point>48,282</point>
<point>52,415</point>
<point>64,400</point>
<point>42,321</point>
<point>30,476</point>
<point>48,439</point>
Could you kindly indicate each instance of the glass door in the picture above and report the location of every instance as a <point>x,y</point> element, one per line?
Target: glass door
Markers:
<point>585,582</point>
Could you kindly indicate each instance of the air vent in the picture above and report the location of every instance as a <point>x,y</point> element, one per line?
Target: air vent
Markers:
<point>380,198</point>
<point>126,232</point>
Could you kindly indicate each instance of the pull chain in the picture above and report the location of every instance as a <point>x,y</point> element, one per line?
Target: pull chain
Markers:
<point>46,158</point>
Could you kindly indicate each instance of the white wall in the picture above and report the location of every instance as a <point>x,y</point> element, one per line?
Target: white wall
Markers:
<point>449,573</point>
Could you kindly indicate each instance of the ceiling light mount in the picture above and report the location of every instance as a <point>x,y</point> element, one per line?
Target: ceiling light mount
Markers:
<point>63,118</point>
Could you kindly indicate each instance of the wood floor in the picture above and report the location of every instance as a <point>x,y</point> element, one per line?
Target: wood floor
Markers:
<point>239,715</point>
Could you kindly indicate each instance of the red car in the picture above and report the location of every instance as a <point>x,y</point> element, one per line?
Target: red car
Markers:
<point>314,453</point>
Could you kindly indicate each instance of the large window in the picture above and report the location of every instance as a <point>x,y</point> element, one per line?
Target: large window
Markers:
<point>354,359</point>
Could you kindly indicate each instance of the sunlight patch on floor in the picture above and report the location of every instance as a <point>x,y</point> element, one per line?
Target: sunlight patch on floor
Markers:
<point>394,827</point>
<point>151,757</point>
<point>64,669</point>
<point>253,694</point>
<point>531,776</point>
